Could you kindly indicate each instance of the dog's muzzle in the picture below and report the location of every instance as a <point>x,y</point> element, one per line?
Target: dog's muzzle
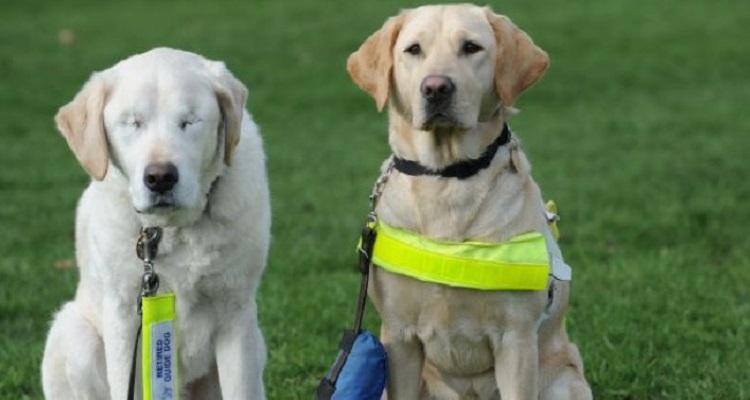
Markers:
<point>438,92</point>
<point>160,179</point>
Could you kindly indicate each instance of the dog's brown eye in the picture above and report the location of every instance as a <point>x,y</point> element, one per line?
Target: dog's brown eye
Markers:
<point>414,49</point>
<point>470,47</point>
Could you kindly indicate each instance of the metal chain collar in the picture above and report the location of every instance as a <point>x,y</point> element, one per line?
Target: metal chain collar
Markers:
<point>378,188</point>
<point>146,247</point>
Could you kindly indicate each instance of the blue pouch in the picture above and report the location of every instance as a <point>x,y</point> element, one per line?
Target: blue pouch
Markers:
<point>360,369</point>
<point>359,372</point>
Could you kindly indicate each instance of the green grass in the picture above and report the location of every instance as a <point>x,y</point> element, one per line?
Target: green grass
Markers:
<point>639,131</point>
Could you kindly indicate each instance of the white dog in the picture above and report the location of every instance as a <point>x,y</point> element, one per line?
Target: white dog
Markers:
<point>168,142</point>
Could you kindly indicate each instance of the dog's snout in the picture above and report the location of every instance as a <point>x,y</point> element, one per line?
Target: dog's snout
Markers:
<point>160,177</point>
<point>437,88</point>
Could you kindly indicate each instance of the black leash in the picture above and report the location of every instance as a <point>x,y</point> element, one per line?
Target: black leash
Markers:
<point>462,169</point>
<point>146,248</point>
<point>131,384</point>
<point>328,384</point>
<point>365,260</point>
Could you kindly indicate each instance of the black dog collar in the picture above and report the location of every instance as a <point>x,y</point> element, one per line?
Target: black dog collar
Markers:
<point>462,169</point>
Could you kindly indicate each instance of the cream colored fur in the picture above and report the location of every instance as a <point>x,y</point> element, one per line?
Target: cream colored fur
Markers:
<point>444,342</point>
<point>165,106</point>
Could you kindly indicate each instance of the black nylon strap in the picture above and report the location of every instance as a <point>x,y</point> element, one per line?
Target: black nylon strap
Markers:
<point>327,385</point>
<point>131,383</point>
<point>365,258</point>
<point>462,169</point>
<point>325,390</point>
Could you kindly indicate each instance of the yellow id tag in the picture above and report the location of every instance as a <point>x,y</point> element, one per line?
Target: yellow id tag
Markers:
<point>159,351</point>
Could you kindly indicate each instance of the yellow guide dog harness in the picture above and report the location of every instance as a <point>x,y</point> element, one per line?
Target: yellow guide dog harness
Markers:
<point>525,262</point>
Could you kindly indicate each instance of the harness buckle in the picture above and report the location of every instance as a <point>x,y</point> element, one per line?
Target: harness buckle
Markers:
<point>365,249</point>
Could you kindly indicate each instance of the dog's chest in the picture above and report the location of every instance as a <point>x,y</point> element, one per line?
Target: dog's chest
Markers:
<point>456,343</point>
<point>204,273</point>
<point>482,207</point>
<point>460,329</point>
<point>198,264</point>
<point>420,205</point>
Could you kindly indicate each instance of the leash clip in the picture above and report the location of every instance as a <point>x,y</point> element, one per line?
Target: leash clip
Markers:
<point>146,248</point>
<point>148,243</point>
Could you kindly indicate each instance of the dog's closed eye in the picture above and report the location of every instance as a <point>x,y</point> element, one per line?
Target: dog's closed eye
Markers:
<point>190,120</point>
<point>133,121</point>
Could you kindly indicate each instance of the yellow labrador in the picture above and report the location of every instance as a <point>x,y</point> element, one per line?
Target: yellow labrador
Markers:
<point>450,75</point>
<point>166,137</point>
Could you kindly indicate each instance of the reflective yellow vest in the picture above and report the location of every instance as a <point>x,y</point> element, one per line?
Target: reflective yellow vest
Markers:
<point>525,262</point>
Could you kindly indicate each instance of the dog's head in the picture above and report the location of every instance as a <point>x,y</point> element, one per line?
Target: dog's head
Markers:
<point>447,66</point>
<point>167,121</point>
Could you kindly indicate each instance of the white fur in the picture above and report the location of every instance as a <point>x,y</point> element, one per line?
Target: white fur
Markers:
<point>215,238</point>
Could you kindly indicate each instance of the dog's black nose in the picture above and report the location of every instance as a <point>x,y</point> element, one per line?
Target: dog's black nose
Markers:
<point>437,88</point>
<point>160,177</point>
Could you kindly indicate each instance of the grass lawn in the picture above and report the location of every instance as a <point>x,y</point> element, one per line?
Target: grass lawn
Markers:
<point>639,131</point>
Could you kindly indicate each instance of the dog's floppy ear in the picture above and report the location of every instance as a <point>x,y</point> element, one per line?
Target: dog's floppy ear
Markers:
<point>232,95</point>
<point>81,122</point>
<point>520,63</point>
<point>370,66</point>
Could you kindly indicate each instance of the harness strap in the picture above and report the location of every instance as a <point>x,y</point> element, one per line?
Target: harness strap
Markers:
<point>522,263</point>
<point>559,270</point>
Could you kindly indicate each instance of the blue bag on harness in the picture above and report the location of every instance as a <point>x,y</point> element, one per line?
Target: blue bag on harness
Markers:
<point>360,369</point>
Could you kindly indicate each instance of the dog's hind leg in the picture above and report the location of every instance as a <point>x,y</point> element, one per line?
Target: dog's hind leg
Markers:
<point>567,382</point>
<point>73,366</point>
<point>569,385</point>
